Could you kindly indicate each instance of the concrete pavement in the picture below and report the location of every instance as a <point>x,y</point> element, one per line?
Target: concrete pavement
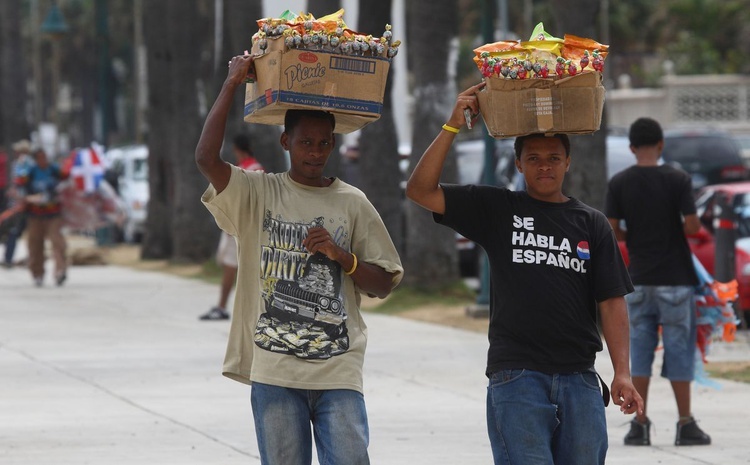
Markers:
<point>115,368</point>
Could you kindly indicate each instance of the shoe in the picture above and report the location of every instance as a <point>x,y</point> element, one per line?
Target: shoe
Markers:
<point>216,313</point>
<point>61,279</point>
<point>7,265</point>
<point>38,281</point>
<point>690,434</point>
<point>639,434</point>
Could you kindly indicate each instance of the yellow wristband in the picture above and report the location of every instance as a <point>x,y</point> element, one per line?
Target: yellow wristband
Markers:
<point>354,266</point>
<point>451,129</point>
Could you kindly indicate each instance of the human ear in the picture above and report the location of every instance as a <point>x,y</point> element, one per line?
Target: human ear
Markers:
<point>284,141</point>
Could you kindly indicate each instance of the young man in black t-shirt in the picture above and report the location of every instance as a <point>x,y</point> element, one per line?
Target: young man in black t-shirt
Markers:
<point>552,260</point>
<point>656,202</point>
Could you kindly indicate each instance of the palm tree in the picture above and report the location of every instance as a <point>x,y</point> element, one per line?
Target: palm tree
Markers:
<point>323,7</point>
<point>431,257</point>
<point>378,142</point>
<point>178,226</point>
<point>587,179</point>
<point>239,27</point>
<point>13,125</point>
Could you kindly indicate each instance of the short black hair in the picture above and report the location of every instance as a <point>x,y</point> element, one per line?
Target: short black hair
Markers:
<point>242,142</point>
<point>293,117</point>
<point>645,132</point>
<point>520,140</point>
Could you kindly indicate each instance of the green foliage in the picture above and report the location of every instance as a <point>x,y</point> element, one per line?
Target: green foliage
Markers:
<point>631,25</point>
<point>694,55</point>
<point>705,36</point>
<point>650,77</point>
<point>405,298</point>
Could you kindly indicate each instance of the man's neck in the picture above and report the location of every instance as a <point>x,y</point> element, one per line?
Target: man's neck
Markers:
<point>647,160</point>
<point>647,156</point>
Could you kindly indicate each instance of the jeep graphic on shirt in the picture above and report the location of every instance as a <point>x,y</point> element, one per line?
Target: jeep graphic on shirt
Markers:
<point>304,308</point>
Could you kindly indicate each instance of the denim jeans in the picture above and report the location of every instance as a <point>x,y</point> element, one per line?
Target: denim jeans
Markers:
<point>16,229</point>
<point>672,307</point>
<point>282,425</point>
<point>538,419</point>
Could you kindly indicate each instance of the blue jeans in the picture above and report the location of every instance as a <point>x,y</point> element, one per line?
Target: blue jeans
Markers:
<point>282,425</point>
<point>19,224</point>
<point>538,419</point>
<point>672,307</point>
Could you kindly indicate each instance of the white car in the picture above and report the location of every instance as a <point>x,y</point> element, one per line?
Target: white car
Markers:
<point>128,167</point>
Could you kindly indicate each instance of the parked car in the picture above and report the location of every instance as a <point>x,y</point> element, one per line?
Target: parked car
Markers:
<point>709,156</point>
<point>743,140</point>
<point>128,171</point>
<point>619,155</point>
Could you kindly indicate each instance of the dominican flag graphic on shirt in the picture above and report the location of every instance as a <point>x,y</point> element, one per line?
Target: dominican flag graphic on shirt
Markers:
<point>583,250</point>
<point>86,169</point>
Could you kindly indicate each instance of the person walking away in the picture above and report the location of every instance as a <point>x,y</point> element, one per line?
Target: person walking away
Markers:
<point>43,209</point>
<point>656,204</point>
<point>309,246</point>
<point>552,260</point>
<point>226,253</point>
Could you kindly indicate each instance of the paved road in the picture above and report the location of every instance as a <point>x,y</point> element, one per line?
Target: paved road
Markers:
<point>115,368</point>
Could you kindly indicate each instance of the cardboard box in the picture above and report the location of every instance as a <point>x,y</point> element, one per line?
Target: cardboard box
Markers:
<point>572,105</point>
<point>351,87</point>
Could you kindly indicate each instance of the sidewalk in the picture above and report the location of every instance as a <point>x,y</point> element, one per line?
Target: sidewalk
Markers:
<point>115,368</point>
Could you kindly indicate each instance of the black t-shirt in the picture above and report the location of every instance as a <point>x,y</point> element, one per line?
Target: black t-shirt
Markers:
<point>550,263</point>
<point>651,200</point>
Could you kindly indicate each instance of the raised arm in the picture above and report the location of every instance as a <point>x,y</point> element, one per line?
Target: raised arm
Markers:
<point>423,186</point>
<point>207,155</point>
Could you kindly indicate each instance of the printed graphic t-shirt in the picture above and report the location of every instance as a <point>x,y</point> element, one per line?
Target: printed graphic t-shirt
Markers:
<point>550,263</point>
<point>296,320</point>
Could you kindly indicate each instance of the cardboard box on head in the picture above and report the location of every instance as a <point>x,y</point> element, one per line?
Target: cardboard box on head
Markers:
<point>351,87</point>
<point>571,105</point>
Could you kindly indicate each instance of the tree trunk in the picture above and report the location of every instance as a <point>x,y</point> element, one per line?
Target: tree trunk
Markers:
<point>240,25</point>
<point>178,226</point>
<point>587,179</point>
<point>320,8</point>
<point>157,238</point>
<point>378,142</point>
<point>79,68</point>
<point>13,123</point>
<point>431,256</point>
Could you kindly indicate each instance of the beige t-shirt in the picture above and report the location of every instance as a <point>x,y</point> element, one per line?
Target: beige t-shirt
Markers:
<point>296,319</point>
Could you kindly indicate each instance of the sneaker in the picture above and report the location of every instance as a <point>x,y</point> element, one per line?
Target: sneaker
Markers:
<point>38,281</point>
<point>690,434</point>
<point>61,279</point>
<point>216,313</point>
<point>639,434</point>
